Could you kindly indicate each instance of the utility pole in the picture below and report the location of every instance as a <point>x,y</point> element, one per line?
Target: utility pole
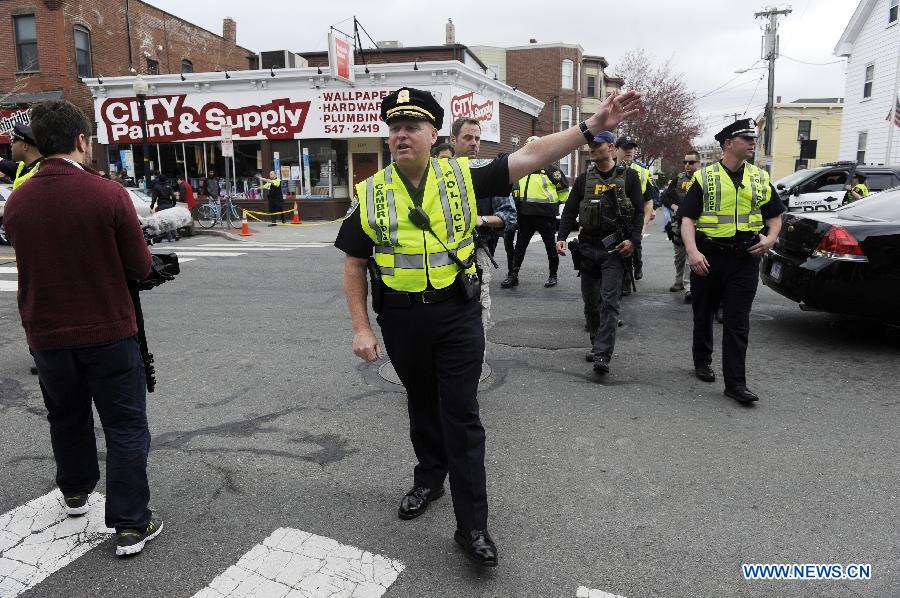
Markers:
<point>770,53</point>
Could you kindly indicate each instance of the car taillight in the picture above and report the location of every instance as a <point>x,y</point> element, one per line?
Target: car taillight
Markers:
<point>839,244</point>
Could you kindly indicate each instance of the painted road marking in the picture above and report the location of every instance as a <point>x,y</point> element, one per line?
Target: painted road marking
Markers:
<point>9,285</point>
<point>8,270</point>
<point>584,592</point>
<point>233,248</point>
<point>182,260</point>
<point>292,562</point>
<point>38,539</point>
<point>243,244</point>
<point>207,254</point>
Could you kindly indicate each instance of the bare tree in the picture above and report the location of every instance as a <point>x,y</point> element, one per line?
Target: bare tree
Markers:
<point>670,121</point>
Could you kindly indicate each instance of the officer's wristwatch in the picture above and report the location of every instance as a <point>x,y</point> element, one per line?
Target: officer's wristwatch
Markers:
<point>588,136</point>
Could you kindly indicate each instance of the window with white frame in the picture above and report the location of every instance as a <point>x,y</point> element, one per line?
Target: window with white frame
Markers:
<point>892,11</point>
<point>565,164</point>
<point>565,117</point>
<point>861,147</point>
<point>870,78</point>
<point>568,74</point>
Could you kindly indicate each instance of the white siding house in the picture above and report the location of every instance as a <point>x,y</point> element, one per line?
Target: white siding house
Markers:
<point>871,43</point>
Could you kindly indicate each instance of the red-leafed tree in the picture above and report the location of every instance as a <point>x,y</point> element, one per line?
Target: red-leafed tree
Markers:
<point>670,121</point>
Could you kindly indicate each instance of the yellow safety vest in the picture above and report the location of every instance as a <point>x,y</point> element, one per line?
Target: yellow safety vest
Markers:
<point>275,182</point>
<point>21,178</point>
<point>862,189</point>
<point>538,188</point>
<point>726,210</point>
<point>409,258</point>
<point>643,174</point>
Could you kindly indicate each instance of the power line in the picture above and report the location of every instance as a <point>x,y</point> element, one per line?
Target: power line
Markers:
<point>811,63</point>
<point>755,89</point>
<point>738,76</point>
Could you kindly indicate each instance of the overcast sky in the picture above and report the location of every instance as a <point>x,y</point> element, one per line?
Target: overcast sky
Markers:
<point>707,40</point>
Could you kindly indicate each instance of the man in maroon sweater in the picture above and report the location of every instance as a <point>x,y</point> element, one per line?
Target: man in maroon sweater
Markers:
<point>78,241</point>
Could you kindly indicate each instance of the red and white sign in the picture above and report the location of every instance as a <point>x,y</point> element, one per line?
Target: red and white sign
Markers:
<point>272,114</point>
<point>487,111</point>
<point>340,57</point>
<point>9,119</point>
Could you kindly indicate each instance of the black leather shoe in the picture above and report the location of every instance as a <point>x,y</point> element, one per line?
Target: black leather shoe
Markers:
<point>601,363</point>
<point>705,373</point>
<point>551,281</point>
<point>741,394</point>
<point>511,280</point>
<point>479,546</point>
<point>638,273</point>
<point>415,502</point>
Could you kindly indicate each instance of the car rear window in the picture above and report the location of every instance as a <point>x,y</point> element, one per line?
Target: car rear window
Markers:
<point>883,206</point>
<point>879,181</point>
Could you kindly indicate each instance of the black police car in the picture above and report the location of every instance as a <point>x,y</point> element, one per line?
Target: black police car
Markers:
<point>846,261</point>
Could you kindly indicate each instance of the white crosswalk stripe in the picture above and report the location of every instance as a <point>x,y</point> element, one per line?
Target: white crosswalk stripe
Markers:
<point>292,563</point>
<point>6,284</point>
<point>38,538</point>
<point>584,592</point>
<point>209,254</point>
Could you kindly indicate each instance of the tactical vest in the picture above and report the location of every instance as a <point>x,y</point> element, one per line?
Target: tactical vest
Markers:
<point>682,184</point>
<point>597,213</point>
<point>409,258</point>
<point>21,178</point>
<point>726,210</point>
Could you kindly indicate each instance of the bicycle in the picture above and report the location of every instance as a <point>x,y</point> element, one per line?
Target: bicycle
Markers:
<point>215,211</point>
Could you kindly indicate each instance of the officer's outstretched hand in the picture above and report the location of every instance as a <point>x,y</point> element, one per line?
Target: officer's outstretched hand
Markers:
<point>625,248</point>
<point>697,262</point>
<point>561,247</point>
<point>618,107</point>
<point>365,345</point>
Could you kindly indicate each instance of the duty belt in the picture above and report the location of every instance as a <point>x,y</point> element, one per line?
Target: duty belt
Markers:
<point>401,299</point>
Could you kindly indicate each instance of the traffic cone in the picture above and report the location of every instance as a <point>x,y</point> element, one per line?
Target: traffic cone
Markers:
<point>245,226</point>
<point>296,219</point>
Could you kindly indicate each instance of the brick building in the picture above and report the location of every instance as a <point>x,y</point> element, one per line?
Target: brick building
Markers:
<point>51,45</point>
<point>570,83</point>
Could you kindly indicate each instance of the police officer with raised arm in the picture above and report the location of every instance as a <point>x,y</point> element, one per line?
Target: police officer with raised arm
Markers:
<point>730,216</point>
<point>412,232</point>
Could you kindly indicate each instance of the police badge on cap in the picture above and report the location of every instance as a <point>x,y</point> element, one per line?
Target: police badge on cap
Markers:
<point>740,128</point>
<point>408,102</point>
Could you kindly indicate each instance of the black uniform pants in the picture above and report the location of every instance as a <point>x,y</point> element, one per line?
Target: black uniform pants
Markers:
<point>276,204</point>
<point>731,283</point>
<point>437,352</point>
<point>546,227</point>
<point>601,292</point>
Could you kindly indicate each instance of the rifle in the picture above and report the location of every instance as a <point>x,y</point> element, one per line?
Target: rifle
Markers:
<point>165,268</point>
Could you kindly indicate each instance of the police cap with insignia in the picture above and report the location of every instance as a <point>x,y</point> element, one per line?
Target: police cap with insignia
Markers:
<point>625,142</point>
<point>408,102</point>
<point>23,132</point>
<point>746,127</point>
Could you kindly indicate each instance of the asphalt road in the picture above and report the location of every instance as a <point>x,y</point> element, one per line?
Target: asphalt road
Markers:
<point>647,484</point>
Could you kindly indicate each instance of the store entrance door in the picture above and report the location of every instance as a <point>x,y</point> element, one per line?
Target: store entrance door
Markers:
<point>364,166</point>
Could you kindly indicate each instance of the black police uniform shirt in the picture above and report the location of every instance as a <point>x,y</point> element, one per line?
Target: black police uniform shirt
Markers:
<point>567,221</point>
<point>489,178</point>
<point>692,204</point>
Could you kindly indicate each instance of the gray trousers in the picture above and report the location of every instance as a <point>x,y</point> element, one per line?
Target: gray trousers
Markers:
<point>601,296</point>
<point>680,261</point>
<point>481,256</point>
